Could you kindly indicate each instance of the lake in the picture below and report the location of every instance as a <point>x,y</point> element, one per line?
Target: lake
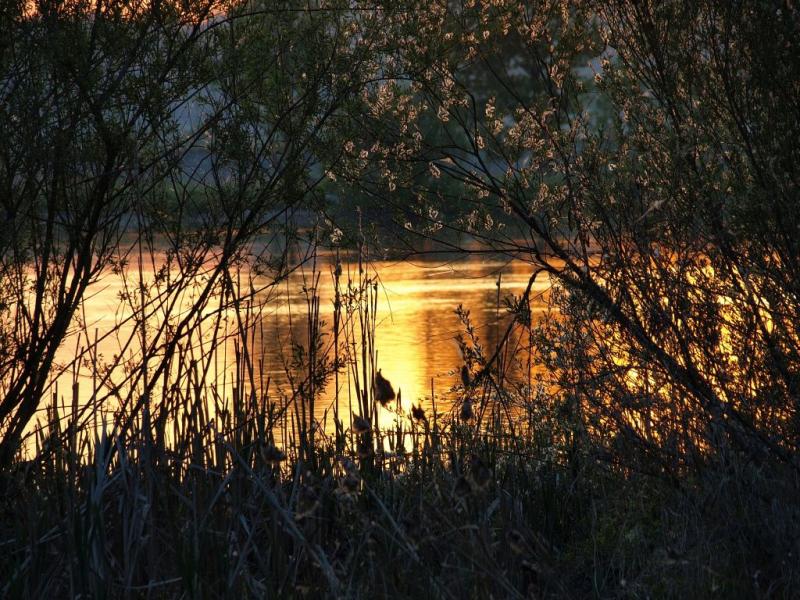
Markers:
<point>414,337</point>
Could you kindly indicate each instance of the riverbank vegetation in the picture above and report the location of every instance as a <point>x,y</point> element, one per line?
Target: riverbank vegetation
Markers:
<point>638,439</point>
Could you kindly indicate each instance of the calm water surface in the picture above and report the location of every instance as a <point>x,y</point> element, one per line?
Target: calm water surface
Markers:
<point>416,320</point>
<point>416,323</point>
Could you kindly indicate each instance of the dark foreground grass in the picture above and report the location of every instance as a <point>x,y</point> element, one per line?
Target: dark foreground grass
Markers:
<point>463,515</point>
<point>508,499</point>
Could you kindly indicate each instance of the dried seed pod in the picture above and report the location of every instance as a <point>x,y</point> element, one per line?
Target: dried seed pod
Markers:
<point>384,393</point>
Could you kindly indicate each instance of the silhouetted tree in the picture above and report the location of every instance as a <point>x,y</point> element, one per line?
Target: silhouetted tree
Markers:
<point>643,155</point>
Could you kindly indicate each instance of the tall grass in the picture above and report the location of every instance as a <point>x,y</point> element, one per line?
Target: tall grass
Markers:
<point>223,487</point>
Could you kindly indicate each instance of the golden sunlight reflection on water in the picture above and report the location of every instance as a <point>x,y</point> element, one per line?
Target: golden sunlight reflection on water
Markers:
<point>416,320</point>
<point>414,338</point>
